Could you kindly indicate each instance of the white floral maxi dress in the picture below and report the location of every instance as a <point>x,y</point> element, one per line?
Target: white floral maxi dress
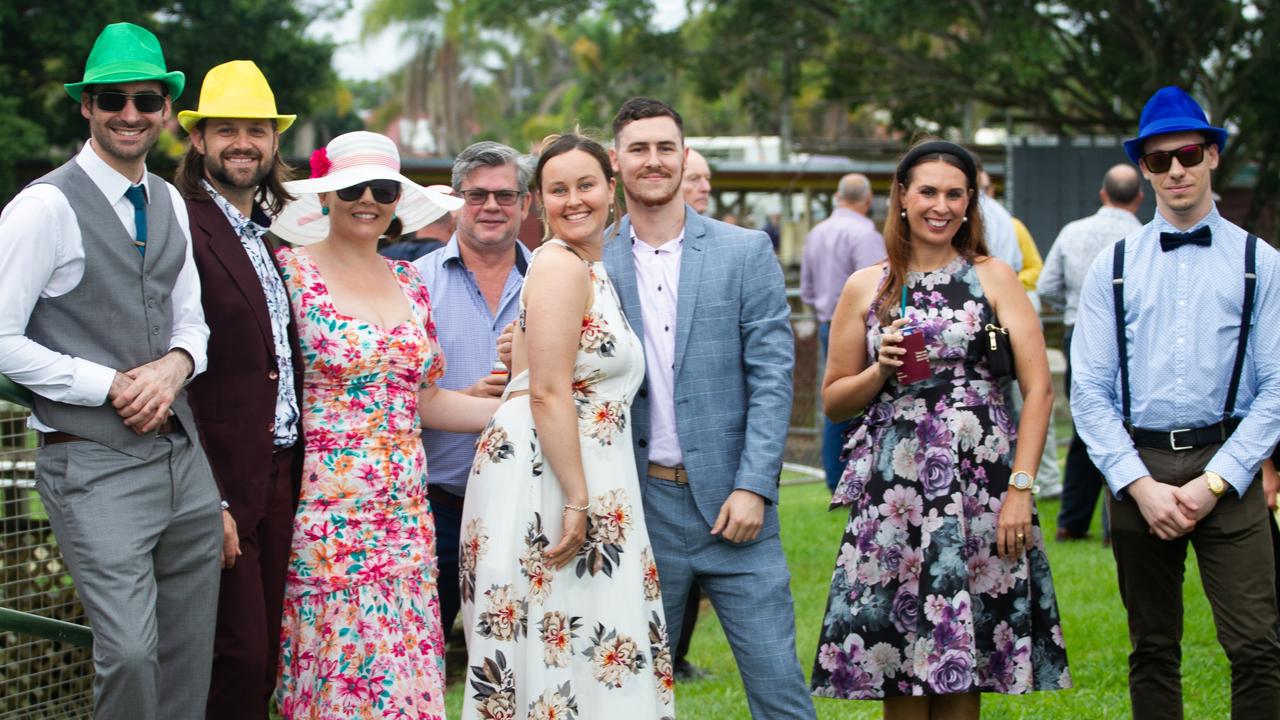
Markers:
<point>588,640</point>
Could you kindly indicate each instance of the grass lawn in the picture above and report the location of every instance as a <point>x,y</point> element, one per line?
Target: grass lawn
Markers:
<point>1093,623</point>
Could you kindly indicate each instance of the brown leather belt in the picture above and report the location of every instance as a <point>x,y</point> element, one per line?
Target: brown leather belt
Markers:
<point>677,475</point>
<point>53,438</point>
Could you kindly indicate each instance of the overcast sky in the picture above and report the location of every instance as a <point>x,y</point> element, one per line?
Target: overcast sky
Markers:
<point>382,54</point>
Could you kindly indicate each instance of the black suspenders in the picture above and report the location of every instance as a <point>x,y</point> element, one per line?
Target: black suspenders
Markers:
<point>1246,319</point>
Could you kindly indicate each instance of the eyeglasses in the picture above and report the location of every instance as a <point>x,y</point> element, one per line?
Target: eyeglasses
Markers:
<point>1188,156</point>
<point>112,101</point>
<point>477,196</point>
<point>384,191</point>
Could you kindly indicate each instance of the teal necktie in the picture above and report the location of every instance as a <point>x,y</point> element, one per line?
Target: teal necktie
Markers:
<point>138,197</point>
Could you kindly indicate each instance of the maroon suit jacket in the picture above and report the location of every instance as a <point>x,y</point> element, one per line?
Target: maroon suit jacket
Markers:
<point>234,400</point>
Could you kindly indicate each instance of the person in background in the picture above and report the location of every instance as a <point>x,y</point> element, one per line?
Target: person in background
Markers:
<point>412,246</point>
<point>100,318</point>
<point>475,284</point>
<point>773,228</point>
<point>696,183</point>
<point>835,249</point>
<point>1070,256</point>
<point>246,402</point>
<point>1001,238</point>
<point>942,589</point>
<point>1179,406</point>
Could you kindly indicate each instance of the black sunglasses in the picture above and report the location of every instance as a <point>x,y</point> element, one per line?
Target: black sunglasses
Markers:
<point>1188,156</point>
<point>477,196</point>
<point>112,101</point>
<point>384,191</point>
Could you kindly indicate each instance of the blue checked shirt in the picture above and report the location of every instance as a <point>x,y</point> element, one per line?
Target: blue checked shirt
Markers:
<point>468,335</point>
<point>1183,325</point>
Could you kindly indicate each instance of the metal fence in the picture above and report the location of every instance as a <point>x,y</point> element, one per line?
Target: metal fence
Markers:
<point>38,678</point>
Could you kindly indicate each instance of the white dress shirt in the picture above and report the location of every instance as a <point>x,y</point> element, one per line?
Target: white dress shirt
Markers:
<point>42,255</point>
<point>658,283</point>
<point>1073,252</point>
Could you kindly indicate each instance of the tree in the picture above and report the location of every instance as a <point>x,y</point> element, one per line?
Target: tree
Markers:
<point>44,43</point>
<point>1070,67</point>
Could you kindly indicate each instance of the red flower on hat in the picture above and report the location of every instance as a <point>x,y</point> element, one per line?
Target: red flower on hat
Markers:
<point>319,163</point>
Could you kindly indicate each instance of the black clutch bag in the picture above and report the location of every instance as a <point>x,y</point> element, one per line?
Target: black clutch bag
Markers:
<point>992,342</point>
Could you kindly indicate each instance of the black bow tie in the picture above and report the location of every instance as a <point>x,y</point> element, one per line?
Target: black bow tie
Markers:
<point>1173,240</point>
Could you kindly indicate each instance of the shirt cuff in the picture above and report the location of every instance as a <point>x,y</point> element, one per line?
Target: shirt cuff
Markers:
<point>199,361</point>
<point>90,384</point>
<point>1236,475</point>
<point>1125,472</point>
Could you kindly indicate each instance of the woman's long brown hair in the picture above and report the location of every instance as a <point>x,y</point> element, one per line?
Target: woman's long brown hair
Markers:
<point>970,240</point>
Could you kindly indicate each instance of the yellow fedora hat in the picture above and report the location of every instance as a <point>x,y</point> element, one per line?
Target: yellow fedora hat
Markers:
<point>235,89</point>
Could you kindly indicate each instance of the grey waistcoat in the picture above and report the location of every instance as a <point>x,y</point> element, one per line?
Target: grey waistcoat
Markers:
<point>121,313</point>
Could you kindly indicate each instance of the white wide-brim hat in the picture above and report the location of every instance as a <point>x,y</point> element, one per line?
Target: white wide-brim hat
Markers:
<point>351,159</point>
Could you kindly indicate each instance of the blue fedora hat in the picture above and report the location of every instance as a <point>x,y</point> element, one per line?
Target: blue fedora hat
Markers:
<point>1172,110</point>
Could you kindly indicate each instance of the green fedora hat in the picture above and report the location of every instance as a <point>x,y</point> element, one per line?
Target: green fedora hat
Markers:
<point>124,53</point>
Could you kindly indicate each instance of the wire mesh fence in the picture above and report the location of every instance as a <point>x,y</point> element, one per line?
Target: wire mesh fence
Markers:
<point>38,678</point>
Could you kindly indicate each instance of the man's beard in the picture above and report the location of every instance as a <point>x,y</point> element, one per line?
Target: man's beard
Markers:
<point>218,172</point>
<point>653,200</point>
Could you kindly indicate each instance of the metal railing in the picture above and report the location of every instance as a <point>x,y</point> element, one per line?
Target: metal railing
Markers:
<point>46,666</point>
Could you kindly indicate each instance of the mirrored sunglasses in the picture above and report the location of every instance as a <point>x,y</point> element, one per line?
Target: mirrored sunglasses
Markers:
<point>385,192</point>
<point>1188,156</point>
<point>112,101</point>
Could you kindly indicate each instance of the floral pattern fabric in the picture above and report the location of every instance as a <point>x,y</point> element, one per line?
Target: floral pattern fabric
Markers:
<point>920,603</point>
<point>361,635</point>
<point>588,640</point>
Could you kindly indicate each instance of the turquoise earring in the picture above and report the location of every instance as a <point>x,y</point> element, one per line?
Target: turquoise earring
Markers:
<point>324,210</point>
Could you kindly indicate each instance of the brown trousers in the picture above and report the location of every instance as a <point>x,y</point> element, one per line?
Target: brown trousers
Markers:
<point>246,647</point>
<point>1233,549</point>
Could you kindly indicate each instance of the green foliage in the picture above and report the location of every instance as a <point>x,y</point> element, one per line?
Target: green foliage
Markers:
<point>44,43</point>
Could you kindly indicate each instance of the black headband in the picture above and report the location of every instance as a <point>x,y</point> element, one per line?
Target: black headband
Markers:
<point>938,147</point>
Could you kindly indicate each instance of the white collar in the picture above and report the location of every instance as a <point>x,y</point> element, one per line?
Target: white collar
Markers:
<point>112,184</point>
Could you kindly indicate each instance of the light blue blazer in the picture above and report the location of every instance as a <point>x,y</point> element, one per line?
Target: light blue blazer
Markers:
<point>733,363</point>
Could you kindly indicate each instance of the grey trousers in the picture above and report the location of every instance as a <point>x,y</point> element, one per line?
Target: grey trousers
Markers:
<point>749,586</point>
<point>143,541</point>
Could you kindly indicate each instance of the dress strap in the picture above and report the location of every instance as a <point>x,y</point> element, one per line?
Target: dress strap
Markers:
<point>566,246</point>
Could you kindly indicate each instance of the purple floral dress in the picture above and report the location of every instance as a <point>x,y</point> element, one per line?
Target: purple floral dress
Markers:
<point>920,603</point>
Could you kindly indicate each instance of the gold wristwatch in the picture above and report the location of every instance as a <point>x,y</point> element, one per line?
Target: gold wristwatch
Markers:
<point>1216,484</point>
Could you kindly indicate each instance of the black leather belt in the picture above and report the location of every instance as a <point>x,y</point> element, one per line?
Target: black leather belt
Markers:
<point>1184,438</point>
<point>440,497</point>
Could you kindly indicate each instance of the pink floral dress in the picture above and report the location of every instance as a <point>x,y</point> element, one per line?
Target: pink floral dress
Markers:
<point>361,636</point>
<point>588,640</point>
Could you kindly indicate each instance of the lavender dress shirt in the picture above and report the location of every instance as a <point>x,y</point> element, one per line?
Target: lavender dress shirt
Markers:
<point>657,281</point>
<point>836,248</point>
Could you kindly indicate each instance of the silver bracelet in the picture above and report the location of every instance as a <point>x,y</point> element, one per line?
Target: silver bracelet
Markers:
<point>578,508</point>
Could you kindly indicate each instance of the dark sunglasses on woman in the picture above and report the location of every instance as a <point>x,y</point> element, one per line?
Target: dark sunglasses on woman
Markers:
<point>385,192</point>
<point>1188,156</point>
<point>113,101</point>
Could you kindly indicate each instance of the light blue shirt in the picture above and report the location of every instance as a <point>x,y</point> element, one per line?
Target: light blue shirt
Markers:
<point>1182,313</point>
<point>468,334</point>
<point>1002,240</point>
